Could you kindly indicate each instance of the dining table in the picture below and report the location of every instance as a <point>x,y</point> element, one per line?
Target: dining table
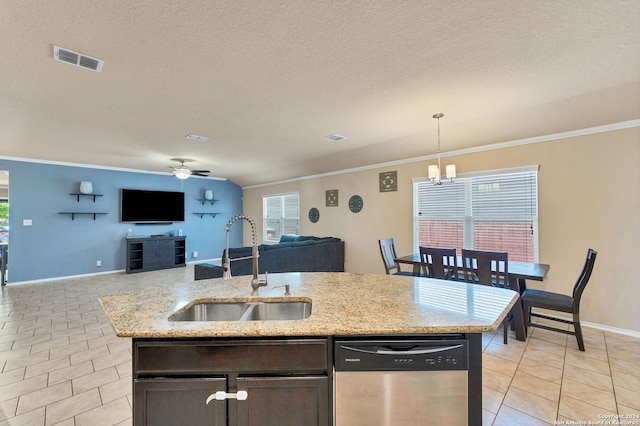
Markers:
<point>519,273</point>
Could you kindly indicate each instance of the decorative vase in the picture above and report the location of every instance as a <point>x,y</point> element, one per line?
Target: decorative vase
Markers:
<point>86,187</point>
<point>208,195</point>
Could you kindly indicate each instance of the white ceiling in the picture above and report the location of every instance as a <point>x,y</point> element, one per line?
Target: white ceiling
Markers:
<point>267,80</point>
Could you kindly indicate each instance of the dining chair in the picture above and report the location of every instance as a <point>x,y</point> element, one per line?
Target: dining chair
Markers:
<point>439,262</point>
<point>389,255</point>
<point>533,298</point>
<point>488,268</point>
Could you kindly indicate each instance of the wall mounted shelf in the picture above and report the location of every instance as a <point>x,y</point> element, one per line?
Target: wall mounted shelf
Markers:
<point>207,213</point>
<point>73,214</point>
<point>78,195</point>
<point>203,201</point>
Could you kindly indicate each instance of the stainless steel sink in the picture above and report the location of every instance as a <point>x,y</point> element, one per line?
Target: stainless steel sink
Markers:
<point>268,311</point>
<point>245,311</point>
<point>212,312</point>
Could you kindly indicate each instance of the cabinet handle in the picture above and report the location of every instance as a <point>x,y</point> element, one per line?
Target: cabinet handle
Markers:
<point>222,395</point>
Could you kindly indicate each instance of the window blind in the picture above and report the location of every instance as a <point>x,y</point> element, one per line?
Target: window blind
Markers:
<point>280,216</point>
<point>504,214</point>
<point>493,212</point>
<point>441,214</point>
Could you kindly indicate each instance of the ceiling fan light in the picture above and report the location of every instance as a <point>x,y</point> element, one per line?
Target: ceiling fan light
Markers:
<point>182,172</point>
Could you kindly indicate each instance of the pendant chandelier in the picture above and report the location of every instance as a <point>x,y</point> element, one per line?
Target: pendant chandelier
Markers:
<point>434,171</point>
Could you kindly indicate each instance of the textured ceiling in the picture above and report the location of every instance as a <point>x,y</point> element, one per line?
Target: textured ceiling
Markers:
<point>267,80</point>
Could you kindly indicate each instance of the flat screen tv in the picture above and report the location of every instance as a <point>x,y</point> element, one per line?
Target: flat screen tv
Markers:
<point>144,206</point>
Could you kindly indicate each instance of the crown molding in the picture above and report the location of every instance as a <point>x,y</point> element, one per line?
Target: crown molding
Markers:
<point>93,166</point>
<point>500,145</point>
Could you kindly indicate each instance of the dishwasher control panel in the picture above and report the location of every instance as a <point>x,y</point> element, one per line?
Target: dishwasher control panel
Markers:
<point>406,355</point>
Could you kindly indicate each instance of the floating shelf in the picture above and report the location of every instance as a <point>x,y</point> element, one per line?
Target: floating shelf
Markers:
<point>73,214</point>
<point>207,213</point>
<point>78,195</point>
<point>203,201</point>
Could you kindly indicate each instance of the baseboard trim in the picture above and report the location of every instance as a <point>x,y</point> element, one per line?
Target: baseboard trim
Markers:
<point>602,327</point>
<point>213,260</point>
<point>617,330</point>
<point>117,271</point>
<point>68,277</point>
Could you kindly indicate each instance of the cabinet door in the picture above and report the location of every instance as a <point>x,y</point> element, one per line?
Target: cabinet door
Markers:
<point>158,253</point>
<point>178,402</point>
<point>284,401</point>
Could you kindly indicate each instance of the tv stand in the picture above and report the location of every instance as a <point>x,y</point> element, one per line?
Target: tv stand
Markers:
<point>153,253</point>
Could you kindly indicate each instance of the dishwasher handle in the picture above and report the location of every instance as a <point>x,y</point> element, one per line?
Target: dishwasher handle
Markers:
<point>410,351</point>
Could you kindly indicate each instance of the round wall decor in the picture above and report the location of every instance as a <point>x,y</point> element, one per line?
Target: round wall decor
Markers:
<point>356,203</point>
<point>314,215</point>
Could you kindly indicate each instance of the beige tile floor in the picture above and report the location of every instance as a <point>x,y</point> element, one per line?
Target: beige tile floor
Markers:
<point>62,364</point>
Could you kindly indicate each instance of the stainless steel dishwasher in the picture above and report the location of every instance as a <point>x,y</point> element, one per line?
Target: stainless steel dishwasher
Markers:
<point>401,382</point>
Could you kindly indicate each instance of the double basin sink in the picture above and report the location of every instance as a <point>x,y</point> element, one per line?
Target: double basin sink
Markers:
<point>245,311</point>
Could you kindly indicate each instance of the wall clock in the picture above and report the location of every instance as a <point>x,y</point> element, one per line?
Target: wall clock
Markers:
<point>356,203</point>
<point>314,215</point>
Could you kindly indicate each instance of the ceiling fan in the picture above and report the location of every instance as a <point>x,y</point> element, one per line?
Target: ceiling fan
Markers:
<point>183,172</point>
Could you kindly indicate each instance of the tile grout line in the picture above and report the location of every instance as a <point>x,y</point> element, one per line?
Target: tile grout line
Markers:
<point>564,363</point>
<point>613,386</point>
<point>526,344</point>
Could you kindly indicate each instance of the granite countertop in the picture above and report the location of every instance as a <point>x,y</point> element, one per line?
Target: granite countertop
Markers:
<point>343,304</point>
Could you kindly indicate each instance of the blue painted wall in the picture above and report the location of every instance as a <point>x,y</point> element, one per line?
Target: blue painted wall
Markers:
<point>56,246</point>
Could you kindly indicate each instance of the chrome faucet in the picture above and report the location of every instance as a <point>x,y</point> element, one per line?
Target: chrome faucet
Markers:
<point>226,261</point>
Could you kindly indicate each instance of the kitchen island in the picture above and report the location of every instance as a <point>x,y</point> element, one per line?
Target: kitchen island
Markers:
<point>285,366</point>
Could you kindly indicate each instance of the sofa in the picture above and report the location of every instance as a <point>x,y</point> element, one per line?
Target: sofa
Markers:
<point>293,253</point>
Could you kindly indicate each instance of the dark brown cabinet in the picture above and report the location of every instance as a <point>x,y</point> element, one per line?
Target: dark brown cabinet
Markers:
<point>168,401</point>
<point>296,400</point>
<point>149,254</point>
<point>245,382</point>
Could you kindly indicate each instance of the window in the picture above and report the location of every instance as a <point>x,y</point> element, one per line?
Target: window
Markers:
<point>281,215</point>
<point>493,211</point>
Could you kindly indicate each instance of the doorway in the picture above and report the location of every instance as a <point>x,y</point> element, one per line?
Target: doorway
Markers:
<point>4,226</point>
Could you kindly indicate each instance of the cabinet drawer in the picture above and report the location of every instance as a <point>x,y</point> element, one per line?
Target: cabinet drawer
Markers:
<point>221,356</point>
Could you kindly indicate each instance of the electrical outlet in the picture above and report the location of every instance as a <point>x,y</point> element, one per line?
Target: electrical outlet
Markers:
<point>194,254</point>
<point>98,263</point>
<point>27,222</point>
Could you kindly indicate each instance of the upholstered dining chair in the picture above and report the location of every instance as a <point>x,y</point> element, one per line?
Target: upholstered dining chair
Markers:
<point>389,255</point>
<point>532,298</point>
<point>488,268</point>
<point>439,262</point>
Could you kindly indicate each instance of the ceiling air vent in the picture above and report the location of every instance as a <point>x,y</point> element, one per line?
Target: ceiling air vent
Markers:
<point>77,59</point>
<point>197,138</point>
<point>335,137</point>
